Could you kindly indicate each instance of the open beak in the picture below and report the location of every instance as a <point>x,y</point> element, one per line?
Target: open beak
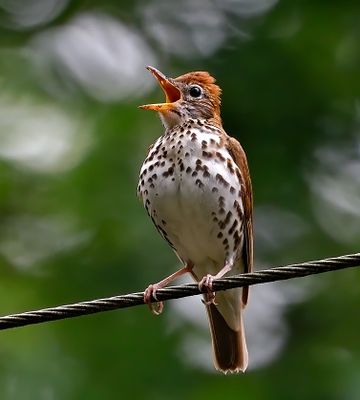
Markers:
<point>172,93</point>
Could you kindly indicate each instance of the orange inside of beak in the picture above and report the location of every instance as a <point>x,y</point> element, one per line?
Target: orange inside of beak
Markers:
<point>172,93</point>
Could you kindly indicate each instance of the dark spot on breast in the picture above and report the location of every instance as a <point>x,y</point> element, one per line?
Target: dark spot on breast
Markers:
<point>151,167</point>
<point>214,189</point>
<point>198,168</point>
<point>220,156</point>
<point>152,186</point>
<point>227,218</point>
<point>162,163</point>
<point>154,176</point>
<point>188,170</point>
<point>194,173</point>
<point>206,154</point>
<point>187,154</point>
<point>204,144</point>
<point>206,174</point>
<point>230,166</point>
<point>238,174</point>
<point>236,240</point>
<point>233,226</point>
<point>199,183</point>
<point>221,180</point>
<point>220,235</point>
<point>232,190</point>
<point>238,209</point>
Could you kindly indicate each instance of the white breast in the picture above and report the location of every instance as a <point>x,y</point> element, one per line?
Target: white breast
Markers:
<point>193,197</point>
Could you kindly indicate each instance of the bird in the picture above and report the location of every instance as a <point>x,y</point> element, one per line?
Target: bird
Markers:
<point>195,186</point>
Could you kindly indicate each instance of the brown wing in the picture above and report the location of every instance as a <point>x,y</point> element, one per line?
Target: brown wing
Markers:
<point>238,155</point>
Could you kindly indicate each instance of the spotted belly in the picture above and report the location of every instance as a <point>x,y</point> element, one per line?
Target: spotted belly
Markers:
<point>191,188</point>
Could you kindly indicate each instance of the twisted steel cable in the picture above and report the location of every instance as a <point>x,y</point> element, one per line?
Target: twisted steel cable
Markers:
<point>175,292</point>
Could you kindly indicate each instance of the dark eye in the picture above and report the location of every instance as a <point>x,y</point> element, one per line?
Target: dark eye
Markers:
<point>195,91</point>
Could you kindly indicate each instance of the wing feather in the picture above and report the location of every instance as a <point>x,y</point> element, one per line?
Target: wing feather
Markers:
<point>239,157</point>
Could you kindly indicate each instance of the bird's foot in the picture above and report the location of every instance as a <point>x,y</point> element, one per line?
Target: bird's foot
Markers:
<point>150,292</point>
<point>207,283</point>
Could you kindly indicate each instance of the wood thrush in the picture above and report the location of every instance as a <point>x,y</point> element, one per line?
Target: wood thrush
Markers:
<point>196,188</point>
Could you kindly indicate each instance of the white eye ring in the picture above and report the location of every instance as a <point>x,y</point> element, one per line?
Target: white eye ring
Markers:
<point>195,91</point>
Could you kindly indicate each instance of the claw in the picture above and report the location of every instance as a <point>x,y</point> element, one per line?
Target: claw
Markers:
<point>209,299</point>
<point>150,292</point>
<point>207,283</point>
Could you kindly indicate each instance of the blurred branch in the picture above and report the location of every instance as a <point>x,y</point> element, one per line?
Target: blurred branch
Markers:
<point>175,292</point>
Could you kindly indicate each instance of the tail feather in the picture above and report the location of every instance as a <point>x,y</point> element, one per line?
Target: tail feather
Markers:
<point>229,346</point>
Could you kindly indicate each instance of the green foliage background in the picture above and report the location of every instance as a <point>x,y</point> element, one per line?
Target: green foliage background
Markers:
<point>72,229</point>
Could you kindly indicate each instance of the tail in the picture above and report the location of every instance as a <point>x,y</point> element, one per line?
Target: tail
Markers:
<point>229,346</point>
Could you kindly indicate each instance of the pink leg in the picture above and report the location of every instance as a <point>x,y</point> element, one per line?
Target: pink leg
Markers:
<point>207,282</point>
<point>150,291</point>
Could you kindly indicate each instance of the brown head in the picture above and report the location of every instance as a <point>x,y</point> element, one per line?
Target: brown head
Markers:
<point>192,95</point>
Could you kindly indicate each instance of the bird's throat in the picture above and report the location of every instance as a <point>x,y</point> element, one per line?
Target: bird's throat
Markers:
<point>170,118</point>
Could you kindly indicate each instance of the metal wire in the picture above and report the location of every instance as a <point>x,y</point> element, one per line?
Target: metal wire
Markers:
<point>176,292</point>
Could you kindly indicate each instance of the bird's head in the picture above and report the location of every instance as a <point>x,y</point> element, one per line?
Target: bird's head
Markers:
<point>192,95</point>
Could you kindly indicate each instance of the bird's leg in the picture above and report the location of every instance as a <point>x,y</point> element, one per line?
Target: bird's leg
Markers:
<point>150,291</point>
<point>207,282</point>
